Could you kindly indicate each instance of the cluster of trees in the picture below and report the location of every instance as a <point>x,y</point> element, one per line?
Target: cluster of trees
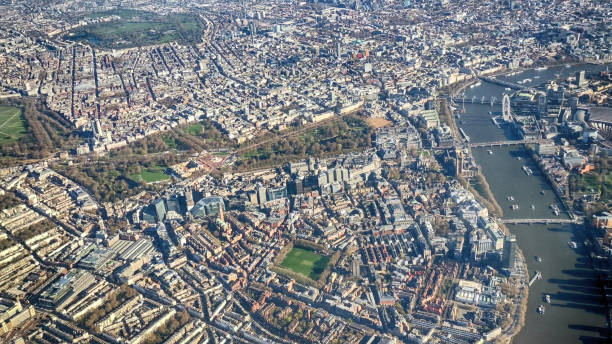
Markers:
<point>598,181</point>
<point>6,243</point>
<point>432,178</point>
<point>8,200</point>
<point>510,288</point>
<point>179,320</point>
<point>333,260</point>
<point>333,138</point>
<point>47,132</point>
<point>446,116</point>
<point>441,225</point>
<point>110,179</point>
<point>180,139</point>
<point>282,253</point>
<point>115,299</point>
<point>309,245</point>
<point>35,229</point>
<point>296,276</point>
<point>486,197</point>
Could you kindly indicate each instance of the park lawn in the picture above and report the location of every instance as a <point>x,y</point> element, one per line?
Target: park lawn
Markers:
<point>12,124</point>
<point>305,262</point>
<point>252,154</point>
<point>588,182</point>
<point>591,182</point>
<point>194,129</point>
<point>123,13</point>
<point>151,175</point>
<point>137,28</point>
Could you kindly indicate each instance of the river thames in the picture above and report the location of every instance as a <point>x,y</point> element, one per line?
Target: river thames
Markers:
<point>576,313</point>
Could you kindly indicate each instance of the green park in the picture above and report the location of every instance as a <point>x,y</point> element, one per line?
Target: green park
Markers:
<point>12,124</point>
<point>138,28</point>
<point>150,175</point>
<point>306,262</point>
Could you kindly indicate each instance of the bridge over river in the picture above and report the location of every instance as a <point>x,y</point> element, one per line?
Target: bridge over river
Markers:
<point>504,83</point>
<point>540,221</point>
<point>493,144</point>
<point>506,143</point>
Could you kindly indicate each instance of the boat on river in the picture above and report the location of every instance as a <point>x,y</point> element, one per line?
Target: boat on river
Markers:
<point>555,209</point>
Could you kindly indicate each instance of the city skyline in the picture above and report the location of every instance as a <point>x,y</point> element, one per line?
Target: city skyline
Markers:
<point>181,171</point>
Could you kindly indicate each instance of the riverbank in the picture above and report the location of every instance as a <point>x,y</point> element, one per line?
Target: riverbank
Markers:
<point>446,116</point>
<point>576,313</point>
<point>457,88</point>
<point>524,296</point>
<point>488,200</point>
<point>563,198</point>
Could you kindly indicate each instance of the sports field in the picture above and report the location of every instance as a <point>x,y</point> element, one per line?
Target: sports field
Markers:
<point>305,262</point>
<point>12,124</point>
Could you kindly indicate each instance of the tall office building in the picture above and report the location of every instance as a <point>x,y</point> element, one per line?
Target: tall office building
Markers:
<point>261,195</point>
<point>580,78</point>
<point>295,187</point>
<point>209,206</point>
<point>189,198</point>
<point>160,210</point>
<point>458,161</point>
<point>276,193</point>
<point>509,255</point>
<point>542,108</point>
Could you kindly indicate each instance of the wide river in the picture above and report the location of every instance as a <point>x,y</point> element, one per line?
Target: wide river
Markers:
<point>576,313</point>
